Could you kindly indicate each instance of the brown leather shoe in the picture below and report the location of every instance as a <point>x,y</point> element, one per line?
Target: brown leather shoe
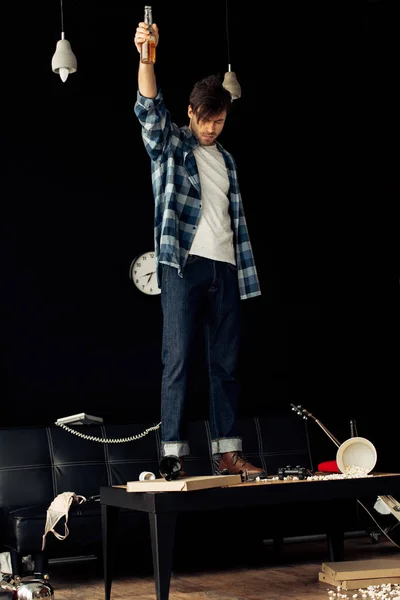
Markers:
<point>182,474</point>
<point>234,463</point>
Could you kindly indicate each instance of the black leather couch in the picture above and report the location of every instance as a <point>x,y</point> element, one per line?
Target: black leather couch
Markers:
<point>38,463</point>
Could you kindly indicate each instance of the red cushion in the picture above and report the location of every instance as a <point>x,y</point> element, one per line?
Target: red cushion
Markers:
<point>329,466</point>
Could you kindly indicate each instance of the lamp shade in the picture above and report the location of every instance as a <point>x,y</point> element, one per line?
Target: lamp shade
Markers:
<point>231,84</point>
<point>64,60</point>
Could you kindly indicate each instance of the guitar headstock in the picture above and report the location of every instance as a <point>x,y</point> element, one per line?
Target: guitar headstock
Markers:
<point>302,412</point>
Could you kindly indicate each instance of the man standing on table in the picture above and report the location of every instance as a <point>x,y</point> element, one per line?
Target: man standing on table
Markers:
<point>204,259</point>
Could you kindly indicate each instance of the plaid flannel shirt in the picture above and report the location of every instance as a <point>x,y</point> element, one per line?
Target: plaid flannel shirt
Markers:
<point>177,194</point>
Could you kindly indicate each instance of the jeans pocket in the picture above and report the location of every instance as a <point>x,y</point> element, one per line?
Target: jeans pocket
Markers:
<point>192,258</point>
<point>232,267</point>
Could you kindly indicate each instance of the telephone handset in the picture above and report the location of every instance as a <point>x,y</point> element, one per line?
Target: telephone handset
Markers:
<point>85,419</point>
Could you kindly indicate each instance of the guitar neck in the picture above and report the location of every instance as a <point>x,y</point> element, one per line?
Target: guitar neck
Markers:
<point>306,414</point>
<point>328,433</point>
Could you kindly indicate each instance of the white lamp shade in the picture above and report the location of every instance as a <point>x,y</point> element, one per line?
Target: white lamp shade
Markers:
<point>64,58</point>
<point>231,84</point>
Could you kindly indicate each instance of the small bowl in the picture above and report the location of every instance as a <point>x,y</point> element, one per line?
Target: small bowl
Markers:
<point>358,452</point>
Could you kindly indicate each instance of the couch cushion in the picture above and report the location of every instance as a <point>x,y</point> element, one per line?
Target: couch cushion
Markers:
<point>23,529</point>
<point>26,475</point>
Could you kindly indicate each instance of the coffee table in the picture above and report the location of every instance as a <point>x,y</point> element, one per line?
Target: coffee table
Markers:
<point>163,508</point>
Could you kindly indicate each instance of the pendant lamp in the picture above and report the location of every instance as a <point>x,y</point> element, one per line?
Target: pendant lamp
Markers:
<point>230,81</point>
<point>64,60</point>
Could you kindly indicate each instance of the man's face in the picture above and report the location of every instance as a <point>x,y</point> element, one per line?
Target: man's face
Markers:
<point>206,130</point>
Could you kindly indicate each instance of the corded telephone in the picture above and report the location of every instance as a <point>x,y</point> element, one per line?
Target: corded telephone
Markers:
<point>85,419</point>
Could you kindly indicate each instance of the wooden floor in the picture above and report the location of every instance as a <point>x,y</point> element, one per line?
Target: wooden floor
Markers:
<point>291,576</point>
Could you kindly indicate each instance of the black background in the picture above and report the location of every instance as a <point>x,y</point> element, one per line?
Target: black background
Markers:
<point>315,136</point>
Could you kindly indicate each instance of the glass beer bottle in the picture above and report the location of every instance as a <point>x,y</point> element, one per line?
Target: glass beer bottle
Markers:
<point>148,54</point>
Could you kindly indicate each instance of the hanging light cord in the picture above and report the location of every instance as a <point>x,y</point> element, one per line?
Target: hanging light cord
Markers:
<point>227,30</point>
<point>62,15</point>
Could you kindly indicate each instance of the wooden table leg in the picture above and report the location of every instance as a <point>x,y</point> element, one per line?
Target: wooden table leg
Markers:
<point>162,531</point>
<point>335,511</point>
<point>335,545</point>
<point>109,522</point>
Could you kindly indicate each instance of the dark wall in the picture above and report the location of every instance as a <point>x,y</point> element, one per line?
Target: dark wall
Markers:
<point>313,136</point>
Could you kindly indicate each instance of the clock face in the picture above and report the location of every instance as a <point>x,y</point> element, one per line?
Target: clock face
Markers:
<point>143,273</point>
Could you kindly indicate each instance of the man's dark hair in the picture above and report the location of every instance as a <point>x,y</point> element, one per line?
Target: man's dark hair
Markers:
<point>209,98</point>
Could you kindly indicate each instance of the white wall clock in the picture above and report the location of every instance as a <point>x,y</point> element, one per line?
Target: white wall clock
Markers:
<point>143,273</point>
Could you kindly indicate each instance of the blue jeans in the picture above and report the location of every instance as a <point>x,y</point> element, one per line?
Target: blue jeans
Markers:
<point>208,290</point>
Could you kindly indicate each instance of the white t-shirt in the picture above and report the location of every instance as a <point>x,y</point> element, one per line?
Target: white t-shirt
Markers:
<point>214,235</point>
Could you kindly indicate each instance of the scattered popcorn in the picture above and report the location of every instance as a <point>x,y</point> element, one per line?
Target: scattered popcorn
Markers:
<point>351,472</point>
<point>385,591</point>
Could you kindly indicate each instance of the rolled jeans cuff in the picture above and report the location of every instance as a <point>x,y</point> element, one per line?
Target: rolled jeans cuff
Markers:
<point>175,448</point>
<point>221,445</point>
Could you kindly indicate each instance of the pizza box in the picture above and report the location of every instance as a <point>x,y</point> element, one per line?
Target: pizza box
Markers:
<point>185,484</point>
<point>356,584</point>
<point>362,569</point>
